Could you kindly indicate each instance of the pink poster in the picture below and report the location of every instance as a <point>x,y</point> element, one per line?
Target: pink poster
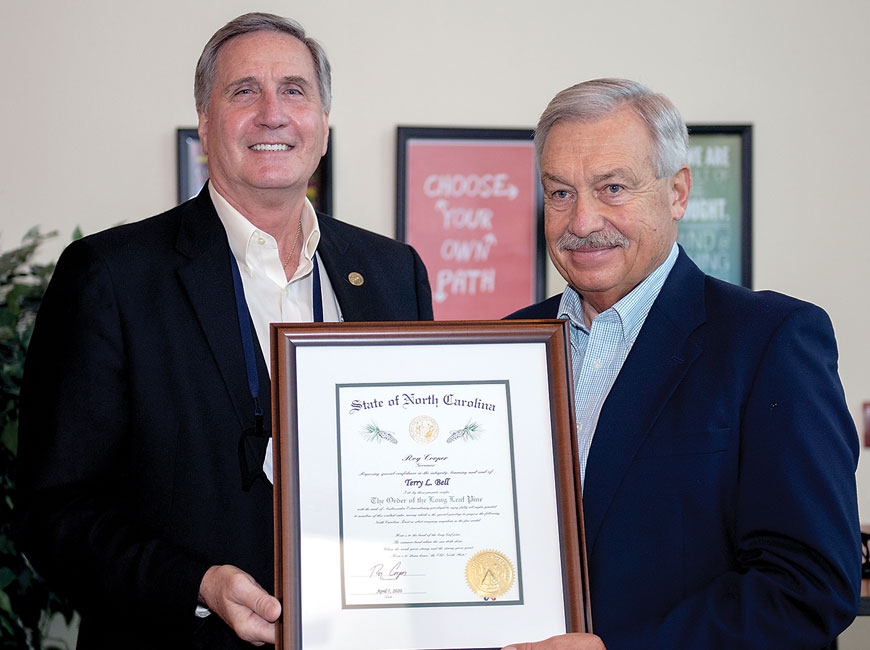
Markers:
<point>471,211</point>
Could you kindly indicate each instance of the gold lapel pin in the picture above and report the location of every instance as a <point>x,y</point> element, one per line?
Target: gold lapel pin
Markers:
<point>355,279</point>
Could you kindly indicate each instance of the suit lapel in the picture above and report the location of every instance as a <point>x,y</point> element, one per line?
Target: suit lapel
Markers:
<point>343,263</point>
<point>657,363</point>
<point>207,279</point>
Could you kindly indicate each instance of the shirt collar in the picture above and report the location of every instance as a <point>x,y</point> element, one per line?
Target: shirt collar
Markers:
<point>632,309</point>
<point>241,232</point>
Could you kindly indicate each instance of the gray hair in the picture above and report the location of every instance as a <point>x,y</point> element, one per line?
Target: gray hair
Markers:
<point>599,98</point>
<point>248,24</point>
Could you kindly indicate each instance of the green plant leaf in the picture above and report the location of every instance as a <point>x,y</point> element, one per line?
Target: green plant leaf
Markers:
<point>25,598</point>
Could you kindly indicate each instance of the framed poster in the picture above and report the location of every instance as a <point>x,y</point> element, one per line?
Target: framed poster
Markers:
<point>716,230</point>
<point>425,472</point>
<point>470,202</point>
<point>193,171</point>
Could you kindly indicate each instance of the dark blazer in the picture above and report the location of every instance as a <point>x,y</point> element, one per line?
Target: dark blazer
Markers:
<point>720,499</point>
<point>134,401</point>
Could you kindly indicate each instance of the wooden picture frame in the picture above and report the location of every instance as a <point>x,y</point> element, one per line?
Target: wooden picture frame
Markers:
<point>716,230</point>
<point>391,442</point>
<point>193,170</point>
<point>469,200</point>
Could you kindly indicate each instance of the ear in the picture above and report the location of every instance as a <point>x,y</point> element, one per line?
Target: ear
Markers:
<point>680,188</point>
<point>202,129</point>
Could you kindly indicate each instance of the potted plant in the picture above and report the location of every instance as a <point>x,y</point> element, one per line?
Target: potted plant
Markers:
<point>28,607</point>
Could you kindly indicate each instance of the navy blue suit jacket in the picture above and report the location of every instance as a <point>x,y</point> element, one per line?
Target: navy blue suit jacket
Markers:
<point>134,402</point>
<point>720,500</point>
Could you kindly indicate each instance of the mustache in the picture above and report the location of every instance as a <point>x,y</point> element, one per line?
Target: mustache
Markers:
<point>601,239</point>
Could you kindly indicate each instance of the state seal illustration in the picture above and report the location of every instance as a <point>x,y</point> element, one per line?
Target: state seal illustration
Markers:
<point>423,429</point>
<point>489,574</point>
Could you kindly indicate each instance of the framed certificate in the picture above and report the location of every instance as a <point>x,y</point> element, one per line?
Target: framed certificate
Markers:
<point>426,487</point>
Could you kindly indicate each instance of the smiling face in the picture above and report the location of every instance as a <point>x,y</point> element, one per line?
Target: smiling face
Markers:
<point>264,129</point>
<point>609,222</point>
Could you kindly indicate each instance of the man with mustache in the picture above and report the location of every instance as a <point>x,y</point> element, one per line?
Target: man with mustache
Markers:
<point>145,410</point>
<point>717,453</point>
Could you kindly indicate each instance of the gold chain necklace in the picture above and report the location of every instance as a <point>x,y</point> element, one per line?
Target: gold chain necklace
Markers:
<point>295,241</point>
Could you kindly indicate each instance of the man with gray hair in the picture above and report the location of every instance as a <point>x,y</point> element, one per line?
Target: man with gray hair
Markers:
<point>717,453</point>
<point>145,410</point>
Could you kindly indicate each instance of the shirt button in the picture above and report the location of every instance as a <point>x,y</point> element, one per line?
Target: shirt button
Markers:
<point>596,364</point>
<point>261,241</point>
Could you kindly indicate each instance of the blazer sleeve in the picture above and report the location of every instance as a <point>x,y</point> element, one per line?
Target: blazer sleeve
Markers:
<point>74,452</point>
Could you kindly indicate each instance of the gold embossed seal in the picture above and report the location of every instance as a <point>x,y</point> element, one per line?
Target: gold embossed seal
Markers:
<point>423,428</point>
<point>489,574</point>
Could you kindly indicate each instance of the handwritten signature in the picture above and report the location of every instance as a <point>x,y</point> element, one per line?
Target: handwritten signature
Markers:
<point>395,572</point>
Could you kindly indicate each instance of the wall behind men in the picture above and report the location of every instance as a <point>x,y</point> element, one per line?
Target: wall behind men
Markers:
<point>96,88</point>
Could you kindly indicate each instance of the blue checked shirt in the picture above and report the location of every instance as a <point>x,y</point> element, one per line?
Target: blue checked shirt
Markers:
<point>597,354</point>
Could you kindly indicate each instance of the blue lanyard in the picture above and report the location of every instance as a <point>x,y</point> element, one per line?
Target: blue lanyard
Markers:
<point>316,293</point>
<point>247,343</point>
<point>244,314</point>
<point>248,337</point>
